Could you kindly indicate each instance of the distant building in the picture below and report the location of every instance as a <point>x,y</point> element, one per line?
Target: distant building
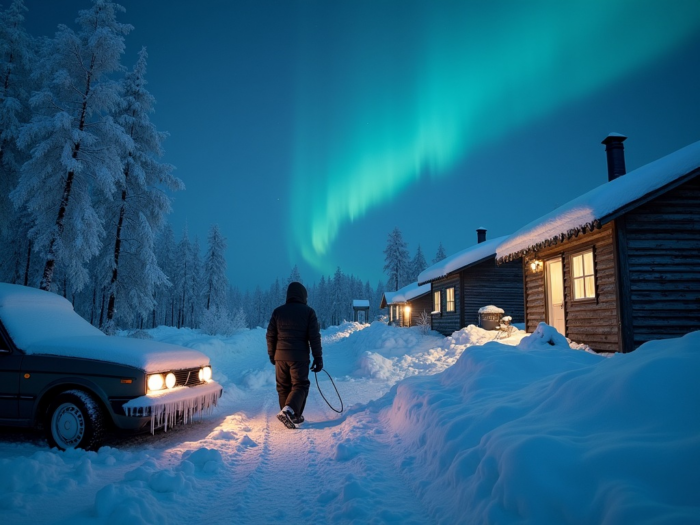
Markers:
<point>407,304</point>
<point>360,311</point>
<point>468,280</point>
<point>619,265</point>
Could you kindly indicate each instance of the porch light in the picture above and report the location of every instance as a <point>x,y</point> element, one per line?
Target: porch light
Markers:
<point>536,265</point>
<point>407,310</point>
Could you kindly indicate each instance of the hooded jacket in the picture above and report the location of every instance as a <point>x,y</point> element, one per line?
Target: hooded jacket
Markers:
<point>294,328</point>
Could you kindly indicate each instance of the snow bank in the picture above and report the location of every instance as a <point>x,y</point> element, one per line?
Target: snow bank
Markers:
<point>26,477</point>
<point>541,433</point>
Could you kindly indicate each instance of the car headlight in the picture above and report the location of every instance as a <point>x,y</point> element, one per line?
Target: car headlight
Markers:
<point>170,380</point>
<point>205,373</point>
<point>156,382</point>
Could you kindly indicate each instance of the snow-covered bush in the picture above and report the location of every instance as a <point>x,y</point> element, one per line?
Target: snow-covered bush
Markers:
<point>217,321</point>
<point>424,322</point>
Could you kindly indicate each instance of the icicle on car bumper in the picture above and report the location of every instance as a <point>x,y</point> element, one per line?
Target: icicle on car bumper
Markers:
<point>167,407</point>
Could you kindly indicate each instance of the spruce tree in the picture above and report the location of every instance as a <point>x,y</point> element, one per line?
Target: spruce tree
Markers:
<point>216,282</point>
<point>440,254</point>
<point>141,206</point>
<point>396,262</point>
<point>418,264</point>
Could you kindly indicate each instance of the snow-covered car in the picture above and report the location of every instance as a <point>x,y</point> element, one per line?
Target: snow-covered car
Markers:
<point>59,372</point>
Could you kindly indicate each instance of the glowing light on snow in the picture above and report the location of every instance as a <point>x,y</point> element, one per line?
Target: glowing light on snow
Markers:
<point>375,114</point>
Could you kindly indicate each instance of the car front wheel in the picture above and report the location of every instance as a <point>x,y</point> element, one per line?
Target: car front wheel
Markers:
<point>74,420</point>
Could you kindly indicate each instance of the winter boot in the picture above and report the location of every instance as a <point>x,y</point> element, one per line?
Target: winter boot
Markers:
<point>286,416</point>
<point>298,420</point>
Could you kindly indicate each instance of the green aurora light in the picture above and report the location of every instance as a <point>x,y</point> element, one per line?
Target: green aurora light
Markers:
<point>427,83</point>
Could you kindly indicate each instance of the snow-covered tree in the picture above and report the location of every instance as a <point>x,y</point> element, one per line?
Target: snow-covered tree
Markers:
<point>142,204</point>
<point>440,254</point>
<point>216,282</point>
<point>17,60</point>
<point>74,141</point>
<point>418,264</point>
<point>165,297</point>
<point>294,276</point>
<point>396,259</point>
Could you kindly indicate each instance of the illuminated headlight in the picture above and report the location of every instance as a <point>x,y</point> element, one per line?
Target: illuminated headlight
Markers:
<point>156,382</point>
<point>205,373</point>
<point>170,380</point>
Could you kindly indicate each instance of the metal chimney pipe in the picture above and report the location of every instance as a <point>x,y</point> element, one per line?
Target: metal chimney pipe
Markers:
<point>615,152</point>
<point>480,235</point>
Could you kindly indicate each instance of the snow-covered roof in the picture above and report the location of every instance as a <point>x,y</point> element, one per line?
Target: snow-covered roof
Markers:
<point>598,206</point>
<point>462,259</point>
<point>405,294</point>
<point>360,303</point>
<point>43,323</point>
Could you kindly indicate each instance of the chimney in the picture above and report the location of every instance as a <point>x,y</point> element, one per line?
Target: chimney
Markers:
<point>480,235</point>
<point>615,152</point>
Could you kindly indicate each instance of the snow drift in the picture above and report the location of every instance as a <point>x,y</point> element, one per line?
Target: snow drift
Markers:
<point>541,433</point>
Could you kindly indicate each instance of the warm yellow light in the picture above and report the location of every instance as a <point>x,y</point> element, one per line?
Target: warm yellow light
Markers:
<point>536,265</point>
<point>155,382</point>
<point>170,380</point>
<point>206,373</point>
<point>407,310</point>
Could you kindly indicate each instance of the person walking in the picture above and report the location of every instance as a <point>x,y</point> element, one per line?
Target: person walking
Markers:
<point>293,329</point>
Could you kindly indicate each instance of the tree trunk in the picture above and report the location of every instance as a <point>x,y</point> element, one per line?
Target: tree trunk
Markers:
<point>29,258</point>
<point>50,265</point>
<point>117,251</point>
<point>102,309</point>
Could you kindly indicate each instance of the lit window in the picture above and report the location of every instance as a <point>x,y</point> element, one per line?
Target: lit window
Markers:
<point>450,299</point>
<point>436,301</point>
<point>584,277</point>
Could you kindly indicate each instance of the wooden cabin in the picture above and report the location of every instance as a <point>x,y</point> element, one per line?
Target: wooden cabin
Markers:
<point>469,280</point>
<point>407,304</point>
<point>619,265</point>
<point>360,310</point>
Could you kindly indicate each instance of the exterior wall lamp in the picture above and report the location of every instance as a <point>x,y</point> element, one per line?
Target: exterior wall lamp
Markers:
<point>536,265</point>
<point>407,315</point>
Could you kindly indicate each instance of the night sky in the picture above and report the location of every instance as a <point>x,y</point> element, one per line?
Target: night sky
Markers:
<point>308,130</point>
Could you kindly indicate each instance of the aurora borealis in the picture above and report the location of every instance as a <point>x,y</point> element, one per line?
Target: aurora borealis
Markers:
<point>398,91</point>
<point>309,129</point>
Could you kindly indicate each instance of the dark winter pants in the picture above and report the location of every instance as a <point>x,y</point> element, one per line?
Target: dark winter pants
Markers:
<point>293,384</point>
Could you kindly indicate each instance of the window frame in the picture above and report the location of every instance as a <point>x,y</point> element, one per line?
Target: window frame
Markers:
<point>584,276</point>
<point>448,302</point>
<point>437,308</point>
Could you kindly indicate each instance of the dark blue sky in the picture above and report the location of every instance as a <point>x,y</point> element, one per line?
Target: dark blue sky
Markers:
<point>309,130</point>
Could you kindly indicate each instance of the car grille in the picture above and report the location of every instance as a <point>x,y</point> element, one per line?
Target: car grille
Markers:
<point>188,377</point>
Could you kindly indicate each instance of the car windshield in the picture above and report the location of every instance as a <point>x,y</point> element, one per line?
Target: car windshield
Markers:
<point>32,321</point>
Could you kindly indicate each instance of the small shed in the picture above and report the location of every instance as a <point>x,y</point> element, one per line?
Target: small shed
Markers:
<point>620,264</point>
<point>360,311</point>
<point>407,304</point>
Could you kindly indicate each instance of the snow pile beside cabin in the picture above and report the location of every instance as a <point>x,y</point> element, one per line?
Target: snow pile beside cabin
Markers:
<point>541,433</point>
<point>598,204</point>
<point>461,259</point>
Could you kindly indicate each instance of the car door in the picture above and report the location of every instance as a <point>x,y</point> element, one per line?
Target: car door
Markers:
<point>10,366</point>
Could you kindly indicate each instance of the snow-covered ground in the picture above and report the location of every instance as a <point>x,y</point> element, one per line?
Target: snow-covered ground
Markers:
<point>438,430</point>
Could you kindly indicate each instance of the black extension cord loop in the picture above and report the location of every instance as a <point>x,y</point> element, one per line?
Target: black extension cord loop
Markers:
<point>336,391</point>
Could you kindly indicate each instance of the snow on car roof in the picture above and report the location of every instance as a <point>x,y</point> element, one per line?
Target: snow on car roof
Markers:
<point>582,212</point>
<point>43,323</point>
<point>461,259</point>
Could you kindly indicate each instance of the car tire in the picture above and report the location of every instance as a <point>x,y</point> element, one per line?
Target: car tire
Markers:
<point>74,419</point>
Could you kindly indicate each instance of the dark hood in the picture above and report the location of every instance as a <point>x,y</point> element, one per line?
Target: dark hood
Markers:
<point>296,293</point>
